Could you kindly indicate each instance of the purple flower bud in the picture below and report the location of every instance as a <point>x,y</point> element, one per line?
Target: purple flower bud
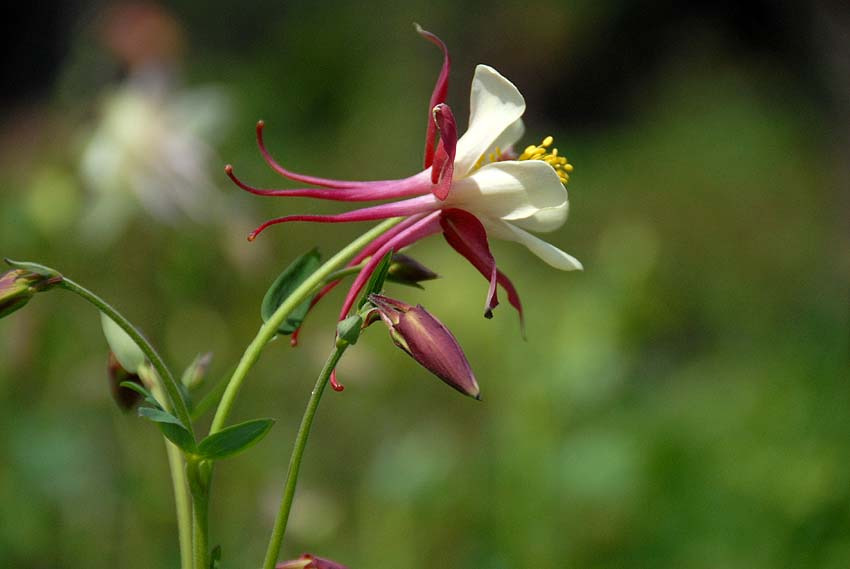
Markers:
<point>428,341</point>
<point>308,561</point>
<point>407,270</point>
<point>18,286</point>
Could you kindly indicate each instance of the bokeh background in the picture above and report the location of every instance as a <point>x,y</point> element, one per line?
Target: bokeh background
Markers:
<point>682,403</point>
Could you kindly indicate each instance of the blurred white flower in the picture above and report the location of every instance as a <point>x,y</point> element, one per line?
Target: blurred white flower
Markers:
<point>149,148</point>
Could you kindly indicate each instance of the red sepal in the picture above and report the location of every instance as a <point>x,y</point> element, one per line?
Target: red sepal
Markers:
<point>468,237</point>
<point>442,170</point>
<point>438,96</point>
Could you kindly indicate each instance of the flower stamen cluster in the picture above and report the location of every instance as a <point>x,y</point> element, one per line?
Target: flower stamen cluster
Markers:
<point>542,152</point>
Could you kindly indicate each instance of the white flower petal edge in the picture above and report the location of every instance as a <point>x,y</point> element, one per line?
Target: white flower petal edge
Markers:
<point>495,105</point>
<point>508,138</point>
<point>529,191</point>
<point>546,251</point>
<point>545,220</point>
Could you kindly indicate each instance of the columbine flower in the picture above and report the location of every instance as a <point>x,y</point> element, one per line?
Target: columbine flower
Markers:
<point>471,187</point>
<point>308,561</point>
<point>428,341</point>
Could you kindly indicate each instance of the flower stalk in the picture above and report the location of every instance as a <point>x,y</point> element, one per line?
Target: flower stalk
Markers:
<point>282,518</point>
<point>199,473</point>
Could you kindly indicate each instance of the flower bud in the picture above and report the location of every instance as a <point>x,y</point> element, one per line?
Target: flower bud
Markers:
<point>125,398</point>
<point>18,286</point>
<point>407,270</point>
<point>348,330</point>
<point>308,561</point>
<point>194,375</point>
<point>428,341</point>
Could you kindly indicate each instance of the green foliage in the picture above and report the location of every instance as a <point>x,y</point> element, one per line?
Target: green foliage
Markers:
<point>291,278</point>
<point>170,426</point>
<point>141,391</point>
<point>33,267</point>
<point>376,281</point>
<point>234,439</point>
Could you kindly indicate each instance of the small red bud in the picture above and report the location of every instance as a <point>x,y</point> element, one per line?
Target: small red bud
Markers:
<point>308,561</point>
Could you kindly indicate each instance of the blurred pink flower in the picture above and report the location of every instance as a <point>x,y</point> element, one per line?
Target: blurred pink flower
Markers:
<point>308,561</point>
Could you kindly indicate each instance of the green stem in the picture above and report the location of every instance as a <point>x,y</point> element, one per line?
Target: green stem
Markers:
<point>199,472</point>
<point>342,273</point>
<point>295,459</point>
<point>181,499</point>
<point>269,328</point>
<point>166,384</point>
<point>181,494</point>
<point>169,384</point>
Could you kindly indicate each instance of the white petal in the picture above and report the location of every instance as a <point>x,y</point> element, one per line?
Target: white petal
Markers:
<point>495,105</point>
<point>545,219</point>
<point>546,251</point>
<point>509,137</point>
<point>529,191</point>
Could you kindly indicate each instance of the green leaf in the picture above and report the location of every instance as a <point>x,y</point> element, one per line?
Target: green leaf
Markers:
<point>128,354</point>
<point>178,435</point>
<point>215,557</point>
<point>235,439</point>
<point>170,426</point>
<point>376,281</point>
<point>141,391</point>
<point>289,280</point>
<point>158,415</point>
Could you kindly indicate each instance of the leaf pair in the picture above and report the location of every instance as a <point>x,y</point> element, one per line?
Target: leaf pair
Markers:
<point>225,443</point>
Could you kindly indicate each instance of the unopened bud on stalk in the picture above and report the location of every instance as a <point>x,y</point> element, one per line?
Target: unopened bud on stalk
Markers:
<point>194,374</point>
<point>407,270</point>
<point>428,341</point>
<point>124,397</point>
<point>348,331</point>
<point>19,285</point>
<point>308,561</point>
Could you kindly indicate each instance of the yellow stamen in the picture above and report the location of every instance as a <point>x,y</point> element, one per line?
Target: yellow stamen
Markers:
<point>541,152</point>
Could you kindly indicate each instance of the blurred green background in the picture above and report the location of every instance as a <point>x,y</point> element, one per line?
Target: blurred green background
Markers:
<point>682,403</point>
